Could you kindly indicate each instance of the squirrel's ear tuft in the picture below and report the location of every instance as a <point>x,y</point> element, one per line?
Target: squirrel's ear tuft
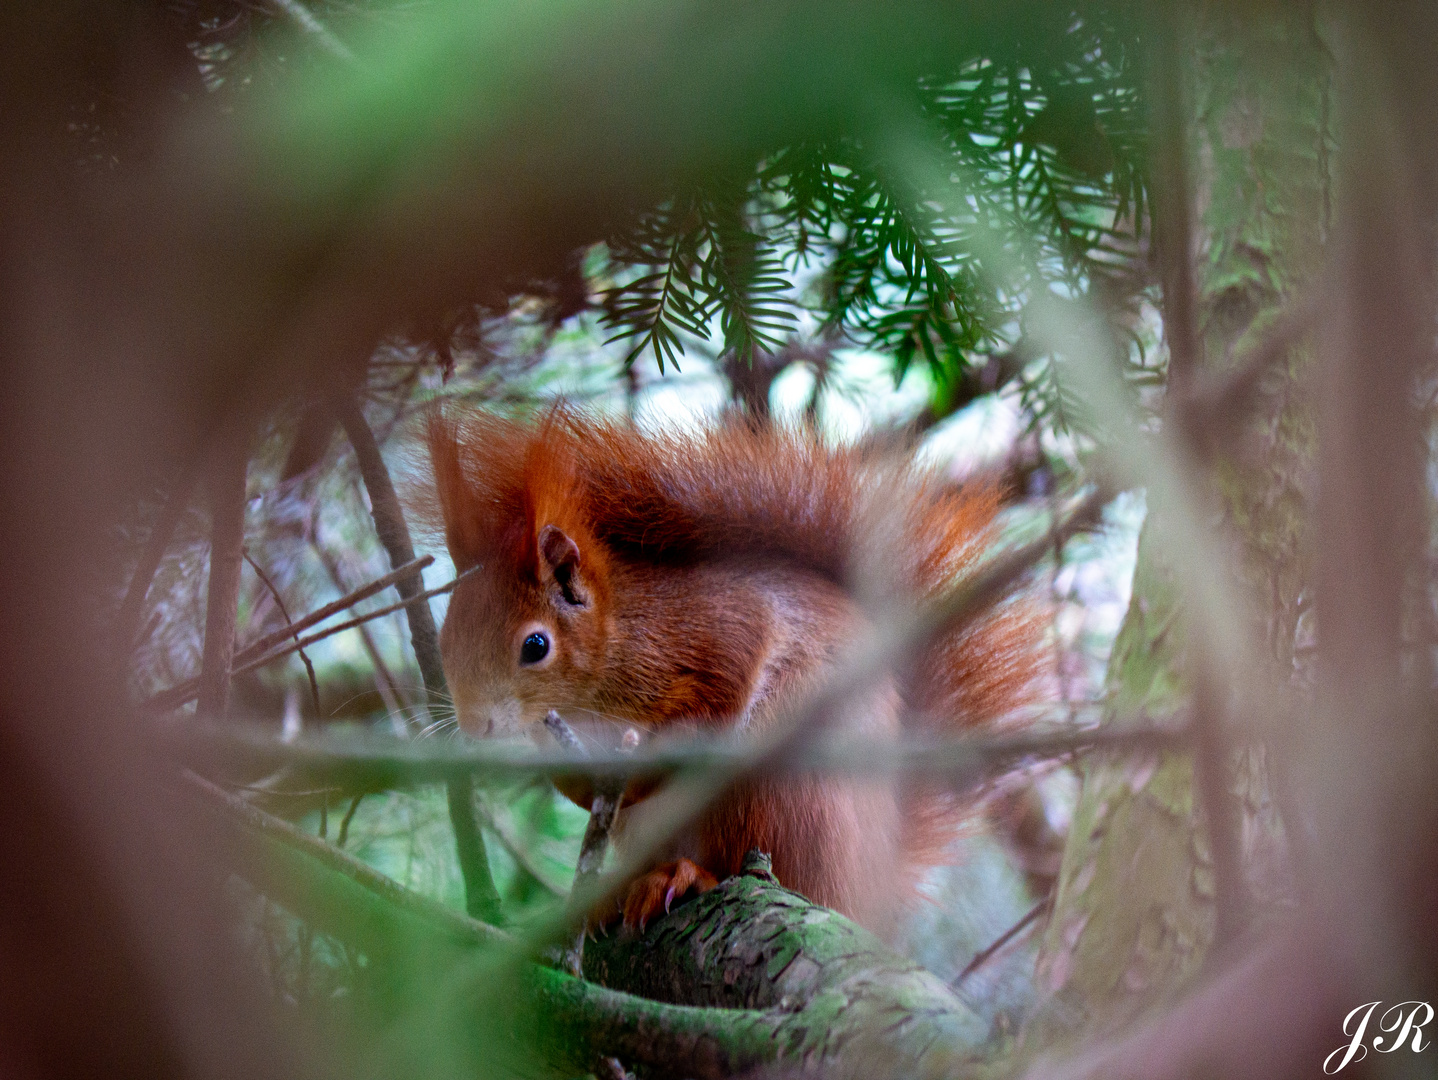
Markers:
<point>478,491</point>
<point>448,504</point>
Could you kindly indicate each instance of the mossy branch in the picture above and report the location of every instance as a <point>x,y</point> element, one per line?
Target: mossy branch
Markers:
<point>746,976</point>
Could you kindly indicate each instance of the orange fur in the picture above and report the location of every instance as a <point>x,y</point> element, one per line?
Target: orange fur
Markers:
<point>714,579</point>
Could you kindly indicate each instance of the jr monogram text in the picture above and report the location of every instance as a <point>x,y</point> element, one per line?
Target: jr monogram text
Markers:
<point>1397,1026</point>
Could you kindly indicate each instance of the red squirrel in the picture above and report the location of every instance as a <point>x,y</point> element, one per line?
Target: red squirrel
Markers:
<point>713,579</point>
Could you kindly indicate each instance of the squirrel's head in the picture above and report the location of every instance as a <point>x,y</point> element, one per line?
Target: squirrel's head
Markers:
<point>527,624</point>
<point>525,633</point>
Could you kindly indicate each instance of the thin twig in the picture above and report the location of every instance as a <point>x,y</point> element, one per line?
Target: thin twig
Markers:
<point>280,603</point>
<point>151,626</point>
<point>1003,939</point>
<point>360,620</point>
<point>226,487</point>
<point>345,821</point>
<point>179,694</point>
<point>501,827</point>
<point>388,689</point>
<point>564,734</point>
<point>602,814</point>
<point>364,592</point>
<point>286,793</point>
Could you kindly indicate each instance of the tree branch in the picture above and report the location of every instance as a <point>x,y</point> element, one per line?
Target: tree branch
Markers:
<point>393,533</point>
<point>1173,206</point>
<point>179,694</point>
<point>347,763</point>
<point>435,914</point>
<point>846,1005</point>
<point>481,898</point>
<point>745,976</point>
<point>1173,215</point>
<point>280,603</point>
<point>226,488</point>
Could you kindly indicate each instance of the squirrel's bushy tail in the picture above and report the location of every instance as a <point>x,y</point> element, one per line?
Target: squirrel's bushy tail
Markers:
<point>979,676</point>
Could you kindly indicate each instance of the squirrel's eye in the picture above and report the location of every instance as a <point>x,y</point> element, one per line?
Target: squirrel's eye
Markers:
<point>534,649</point>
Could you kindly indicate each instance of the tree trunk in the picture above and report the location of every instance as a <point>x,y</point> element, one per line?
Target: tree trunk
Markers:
<point>1135,912</point>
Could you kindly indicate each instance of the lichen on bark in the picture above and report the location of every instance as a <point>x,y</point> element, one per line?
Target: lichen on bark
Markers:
<point>843,1000</point>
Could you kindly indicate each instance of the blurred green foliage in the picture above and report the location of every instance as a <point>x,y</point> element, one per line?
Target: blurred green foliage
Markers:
<point>785,235</point>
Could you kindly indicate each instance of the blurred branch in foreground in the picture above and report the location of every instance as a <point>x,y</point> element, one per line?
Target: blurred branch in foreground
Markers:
<point>373,763</point>
<point>891,1018</point>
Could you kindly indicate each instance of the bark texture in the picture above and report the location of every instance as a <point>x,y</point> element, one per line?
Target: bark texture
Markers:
<point>843,994</point>
<point>1134,915</point>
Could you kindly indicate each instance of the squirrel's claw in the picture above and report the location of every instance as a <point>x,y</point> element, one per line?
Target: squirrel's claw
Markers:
<point>656,891</point>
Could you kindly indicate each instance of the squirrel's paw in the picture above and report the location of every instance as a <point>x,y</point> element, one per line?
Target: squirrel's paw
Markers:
<point>654,892</point>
